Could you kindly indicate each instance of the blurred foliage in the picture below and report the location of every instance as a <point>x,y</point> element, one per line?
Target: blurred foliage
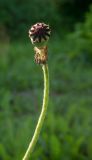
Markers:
<point>79,43</point>
<point>17,16</point>
<point>67,131</point>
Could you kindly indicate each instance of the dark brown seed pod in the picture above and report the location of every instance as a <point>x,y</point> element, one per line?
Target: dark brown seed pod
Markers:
<point>39,33</point>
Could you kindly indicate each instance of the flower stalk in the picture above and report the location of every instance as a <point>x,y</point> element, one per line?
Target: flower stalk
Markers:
<point>39,35</point>
<point>42,115</point>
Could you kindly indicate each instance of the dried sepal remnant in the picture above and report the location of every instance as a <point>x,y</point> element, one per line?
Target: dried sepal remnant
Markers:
<point>40,32</point>
<point>41,55</point>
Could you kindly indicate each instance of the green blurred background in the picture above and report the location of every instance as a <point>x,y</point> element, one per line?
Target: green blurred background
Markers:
<point>67,130</point>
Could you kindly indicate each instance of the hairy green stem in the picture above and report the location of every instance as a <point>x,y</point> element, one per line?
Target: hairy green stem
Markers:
<point>42,115</point>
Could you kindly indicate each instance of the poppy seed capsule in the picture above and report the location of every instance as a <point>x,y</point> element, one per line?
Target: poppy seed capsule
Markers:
<point>39,34</point>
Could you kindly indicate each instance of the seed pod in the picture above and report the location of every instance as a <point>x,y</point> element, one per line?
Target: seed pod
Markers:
<point>39,34</point>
